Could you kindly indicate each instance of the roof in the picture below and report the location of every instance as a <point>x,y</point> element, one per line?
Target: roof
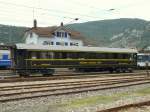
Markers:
<point>74,48</point>
<point>140,54</point>
<point>43,31</point>
<point>49,32</point>
<point>5,47</point>
<point>4,51</point>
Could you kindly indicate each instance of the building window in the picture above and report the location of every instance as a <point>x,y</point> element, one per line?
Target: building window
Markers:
<point>52,43</point>
<point>66,43</point>
<point>66,34</point>
<point>61,34</point>
<point>58,34</point>
<point>76,44</point>
<point>48,43</point>
<point>57,43</point>
<point>45,43</point>
<point>73,44</point>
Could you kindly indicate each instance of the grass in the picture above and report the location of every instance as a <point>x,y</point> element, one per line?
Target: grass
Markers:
<point>143,92</point>
<point>102,99</point>
<point>90,101</point>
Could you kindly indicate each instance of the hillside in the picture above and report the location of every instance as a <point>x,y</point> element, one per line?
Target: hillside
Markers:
<point>11,34</point>
<point>116,33</point>
<point>113,33</point>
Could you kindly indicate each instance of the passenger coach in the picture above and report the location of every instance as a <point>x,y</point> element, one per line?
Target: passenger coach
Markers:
<point>29,59</point>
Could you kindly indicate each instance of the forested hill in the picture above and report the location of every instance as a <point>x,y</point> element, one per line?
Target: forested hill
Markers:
<point>113,33</point>
<point>117,32</point>
<point>11,34</point>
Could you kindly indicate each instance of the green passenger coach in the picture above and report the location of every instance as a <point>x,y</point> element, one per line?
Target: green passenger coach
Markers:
<point>28,59</point>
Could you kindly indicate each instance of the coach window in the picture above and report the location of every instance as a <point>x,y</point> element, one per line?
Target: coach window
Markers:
<point>91,55</point>
<point>64,55</point>
<point>109,56</point>
<point>120,56</point>
<point>139,58</point>
<point>50,55</point>
<point>101,56</point>
<point>97,56</point>
<point>81,55</point>
<point>126,56</point>
<point>43,55</point>
<point>33,55</point>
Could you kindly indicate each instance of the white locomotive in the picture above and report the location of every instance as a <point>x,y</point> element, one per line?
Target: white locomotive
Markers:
<point>143,60</point>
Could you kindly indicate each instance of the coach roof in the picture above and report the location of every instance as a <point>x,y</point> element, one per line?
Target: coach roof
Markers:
<point>74,48</point>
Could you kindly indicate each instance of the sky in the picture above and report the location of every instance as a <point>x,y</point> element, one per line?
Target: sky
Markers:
<point>53,12</point>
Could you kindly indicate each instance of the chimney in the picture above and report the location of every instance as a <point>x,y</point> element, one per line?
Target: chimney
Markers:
<point>35,23</point>
<point>61,24</point>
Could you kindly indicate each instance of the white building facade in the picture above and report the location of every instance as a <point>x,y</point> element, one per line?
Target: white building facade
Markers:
<point>53,36</point>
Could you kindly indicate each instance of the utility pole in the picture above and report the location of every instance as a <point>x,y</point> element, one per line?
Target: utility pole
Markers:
<point>9,35</point>
<point>147,68</point>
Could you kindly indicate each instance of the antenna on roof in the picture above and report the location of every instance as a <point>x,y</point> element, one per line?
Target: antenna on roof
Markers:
<point>34,20</point>
<point>61,24</point>
<point>33,13</point>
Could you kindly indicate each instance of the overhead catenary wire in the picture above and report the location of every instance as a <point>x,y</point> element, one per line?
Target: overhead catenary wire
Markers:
<point>54,13</point>
<point>46,12</point>
<point>40,13</point>
<point>47,9</point>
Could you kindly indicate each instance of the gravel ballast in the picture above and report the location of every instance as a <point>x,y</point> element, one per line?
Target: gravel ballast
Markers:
<point>82,102</point>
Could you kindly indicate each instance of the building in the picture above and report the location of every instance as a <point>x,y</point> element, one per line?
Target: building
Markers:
<point>55,35</point>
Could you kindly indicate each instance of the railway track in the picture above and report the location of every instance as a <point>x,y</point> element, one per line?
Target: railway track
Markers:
<point>19,92</point>
<point>127,106</point>
<point>67,76</point>
<point>27,86</point>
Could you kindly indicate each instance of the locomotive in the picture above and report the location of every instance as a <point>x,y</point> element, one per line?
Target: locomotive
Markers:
<point>5,62</point>
<point>143,60</point>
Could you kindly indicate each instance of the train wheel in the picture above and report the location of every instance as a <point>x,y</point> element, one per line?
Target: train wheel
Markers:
<point>130,70</point>
<point>47,75</point>
<point>118,70</point>
<point>124,70</point>
<point>111,71</point>
<point>24,75</point>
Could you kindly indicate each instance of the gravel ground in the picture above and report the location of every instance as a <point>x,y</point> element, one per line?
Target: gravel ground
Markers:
<point>137,109</point>
<point>52,92</point>
<point>64,103</point>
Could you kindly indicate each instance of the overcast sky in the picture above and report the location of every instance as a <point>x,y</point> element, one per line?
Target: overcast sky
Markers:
<point>52,12</point>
